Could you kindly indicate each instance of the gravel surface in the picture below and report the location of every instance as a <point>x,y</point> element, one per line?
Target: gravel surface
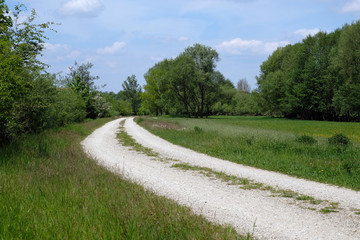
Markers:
<point>253,211</point>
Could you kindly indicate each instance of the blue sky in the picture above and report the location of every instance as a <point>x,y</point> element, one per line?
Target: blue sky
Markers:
<point>125,37</point>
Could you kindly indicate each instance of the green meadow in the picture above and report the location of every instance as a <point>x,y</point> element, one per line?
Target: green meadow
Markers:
<point>49,189</point>
<point>294,147</point>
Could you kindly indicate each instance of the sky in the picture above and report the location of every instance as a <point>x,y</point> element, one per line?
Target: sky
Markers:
<point>126,37</point>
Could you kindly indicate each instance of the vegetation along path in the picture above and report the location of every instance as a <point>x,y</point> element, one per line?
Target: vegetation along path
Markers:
<point>266,204</point>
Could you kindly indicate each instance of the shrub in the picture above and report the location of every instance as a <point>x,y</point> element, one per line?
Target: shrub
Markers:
<point>198,129</point>
<point>306,139</point>
<point>139,120</point>
<point>339,140</point>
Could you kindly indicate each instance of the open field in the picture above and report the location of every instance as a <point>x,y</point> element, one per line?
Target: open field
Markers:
<point>270,143</point>
<point>49,189</point>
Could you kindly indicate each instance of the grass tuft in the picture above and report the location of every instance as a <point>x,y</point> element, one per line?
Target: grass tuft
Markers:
<point>306,139</point>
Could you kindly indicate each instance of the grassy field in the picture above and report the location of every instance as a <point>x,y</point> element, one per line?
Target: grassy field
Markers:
<point>49,189</point>
<point>294,147</point>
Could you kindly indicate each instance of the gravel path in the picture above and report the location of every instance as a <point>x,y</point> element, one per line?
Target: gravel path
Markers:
<point>253,211</point>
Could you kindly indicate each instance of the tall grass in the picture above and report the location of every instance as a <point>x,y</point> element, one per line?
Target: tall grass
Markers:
<point>49,189</point>
<point>298,148</point>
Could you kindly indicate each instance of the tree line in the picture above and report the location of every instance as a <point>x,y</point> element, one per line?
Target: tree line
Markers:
<point>317,79</point>
<point>32,100</point>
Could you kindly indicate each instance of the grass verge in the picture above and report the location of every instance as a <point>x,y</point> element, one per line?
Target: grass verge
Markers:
<point>49,189</point>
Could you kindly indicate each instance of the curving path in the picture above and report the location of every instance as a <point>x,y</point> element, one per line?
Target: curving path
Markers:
<point>251,211</point>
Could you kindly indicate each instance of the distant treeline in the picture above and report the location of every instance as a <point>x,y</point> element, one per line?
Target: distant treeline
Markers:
<point>317,79</point>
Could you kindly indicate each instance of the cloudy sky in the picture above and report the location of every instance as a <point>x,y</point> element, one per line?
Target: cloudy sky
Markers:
<point>125,37</point>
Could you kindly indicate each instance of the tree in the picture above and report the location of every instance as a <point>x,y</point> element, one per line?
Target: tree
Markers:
<point>317,79</point>
<point>83,83</point>
<point>243,85</point>
<point>187,84</point>
<point>154,98</point>
<point>347,62</point>
<point>131,92</point>
<point>20,44</point>
<point>205,59</point>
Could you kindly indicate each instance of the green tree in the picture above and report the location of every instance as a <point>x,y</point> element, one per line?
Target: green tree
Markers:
<point>83,83</point>
<point>157,97</point>
<point>20,44</point>
<point>187,84</point>
<point>131,92</point>
<point>205,59</point>
<point>347,62</point>
<point>69,107</point>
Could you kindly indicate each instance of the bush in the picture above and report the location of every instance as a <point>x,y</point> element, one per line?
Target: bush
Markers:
<point>339,140</point>
<point>198,129</point>
<point>306,139</point>
<point>69,107</point>
<point>139,120</point>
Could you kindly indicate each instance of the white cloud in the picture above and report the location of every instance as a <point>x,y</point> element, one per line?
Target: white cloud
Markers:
<point>81,8</point>
<point>157,59</point>
<point>352,6</point>
<point>306,32</point>
<point>56,47</point>
<point>74,54</point>
<point>116,47</point>
<point>183,39</point>
<point>239,46</point>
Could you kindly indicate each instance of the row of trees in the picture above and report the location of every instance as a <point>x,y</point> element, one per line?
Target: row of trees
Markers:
<point>318,78</point>
<point>32,100</point>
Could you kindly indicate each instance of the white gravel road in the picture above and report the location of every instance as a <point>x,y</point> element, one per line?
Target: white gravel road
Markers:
<point>253,211</point>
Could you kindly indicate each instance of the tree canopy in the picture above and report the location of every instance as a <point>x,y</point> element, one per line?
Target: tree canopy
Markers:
<point>317,79</point>
<point>188,84</point>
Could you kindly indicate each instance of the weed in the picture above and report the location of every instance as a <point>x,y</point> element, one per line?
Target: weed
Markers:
<point>316,202</point>
<point>328,210</point>
<point>126,140</point>
<point>304,198</point>
<point>306,139</point>
<point>198,129</point>
<point>139,120</point>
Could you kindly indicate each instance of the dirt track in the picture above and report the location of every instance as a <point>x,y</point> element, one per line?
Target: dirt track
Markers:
<point>247,210</point>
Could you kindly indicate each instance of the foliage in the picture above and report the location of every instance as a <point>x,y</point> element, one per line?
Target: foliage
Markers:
<point>69,107</point>
<point>243,85</point>
<point>131,93</point>
<point>316,79</point>
<point>198,129</point>
<point>187,84</point>
<point>83,83</point>
<point>23,87</point>
<point>339,140</point>
<point>306,139</point>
